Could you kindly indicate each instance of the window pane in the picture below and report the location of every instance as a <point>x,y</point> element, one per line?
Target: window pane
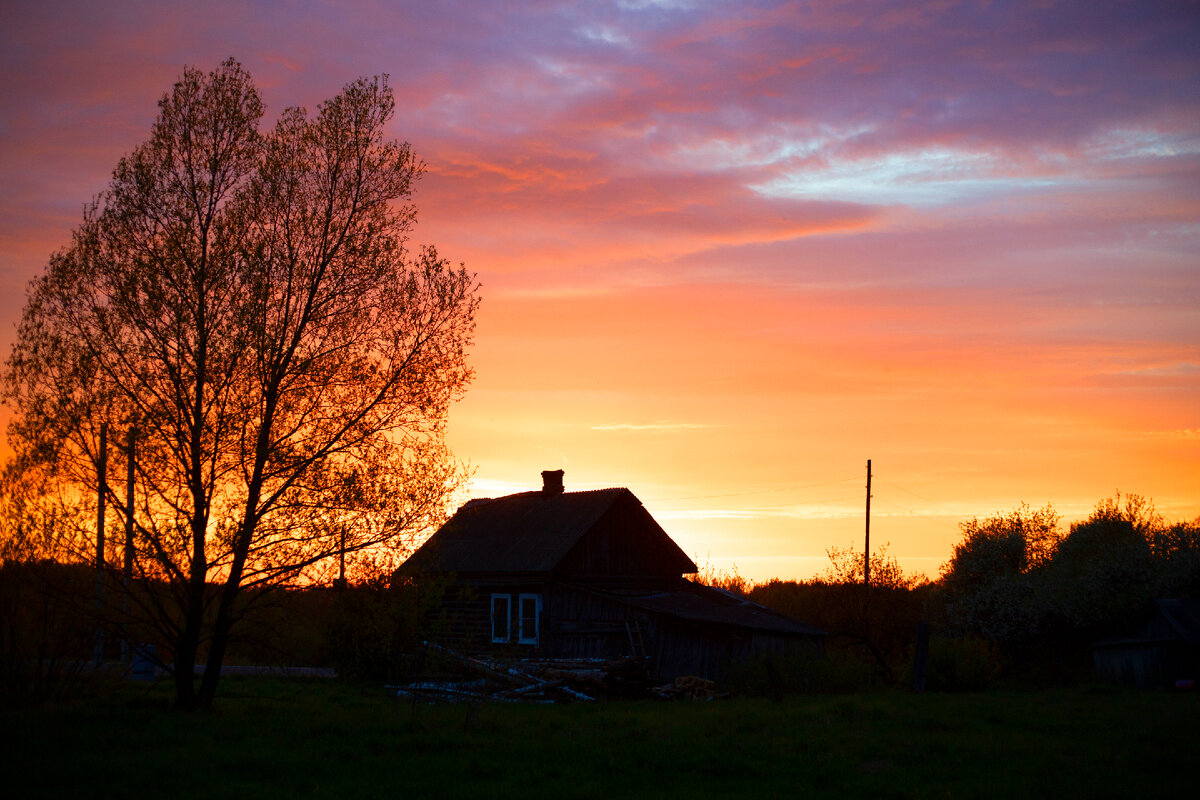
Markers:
<point>529,618</point>
<point>500,617</point>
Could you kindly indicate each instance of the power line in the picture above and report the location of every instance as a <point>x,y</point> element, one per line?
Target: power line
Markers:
<point>753,492</point>
<point>931,518</point>
<point>919,497</point>
<point>812,502</point>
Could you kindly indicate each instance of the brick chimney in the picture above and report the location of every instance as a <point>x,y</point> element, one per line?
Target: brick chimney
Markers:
<point>552,482</point>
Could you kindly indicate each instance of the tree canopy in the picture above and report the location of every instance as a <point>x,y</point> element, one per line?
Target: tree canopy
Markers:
<point>1020,581</point>
<point>243,311</point>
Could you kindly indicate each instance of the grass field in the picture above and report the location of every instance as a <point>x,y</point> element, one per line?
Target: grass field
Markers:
<point>303,738</point>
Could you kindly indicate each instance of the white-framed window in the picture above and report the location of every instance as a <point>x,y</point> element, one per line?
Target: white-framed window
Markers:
<point>529,612</point>
<point>501,617</point>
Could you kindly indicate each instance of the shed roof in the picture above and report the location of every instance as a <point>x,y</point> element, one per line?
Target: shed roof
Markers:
<point>1183,616</point>
<point>699,603</point>
<point>520,533</point>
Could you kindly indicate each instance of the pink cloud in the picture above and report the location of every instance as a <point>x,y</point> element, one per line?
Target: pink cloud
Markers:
<point>972,223</point>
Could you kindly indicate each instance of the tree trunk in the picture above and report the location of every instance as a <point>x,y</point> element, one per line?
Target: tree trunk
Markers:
<point>185,669</point>
<point>189,640</point>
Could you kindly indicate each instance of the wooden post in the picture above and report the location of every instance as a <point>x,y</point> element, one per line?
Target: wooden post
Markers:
<point>101,477</point>
<point>867,545</point>
<point>921,662</point>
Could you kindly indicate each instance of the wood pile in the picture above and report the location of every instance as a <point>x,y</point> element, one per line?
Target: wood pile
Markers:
<point>690,687</point>
<point>549,681</point>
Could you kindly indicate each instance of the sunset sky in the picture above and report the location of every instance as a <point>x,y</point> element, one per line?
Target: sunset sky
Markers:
<point>729,251</point>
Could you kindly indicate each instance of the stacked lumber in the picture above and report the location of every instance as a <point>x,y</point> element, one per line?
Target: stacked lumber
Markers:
<point>532,680</point>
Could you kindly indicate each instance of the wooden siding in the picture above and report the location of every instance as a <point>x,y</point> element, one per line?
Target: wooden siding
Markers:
<point>624,543</point>
<point>584,625</point>
<point>578,623</point>
<point>465,621</point>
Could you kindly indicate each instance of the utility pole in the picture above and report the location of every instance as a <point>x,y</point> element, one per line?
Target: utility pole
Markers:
<point>127,571</point>
<point>101,477</point>
<point>340,583</point>
<point>867,545</point>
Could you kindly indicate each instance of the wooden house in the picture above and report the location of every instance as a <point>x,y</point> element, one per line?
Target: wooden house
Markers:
<point>557,574</point>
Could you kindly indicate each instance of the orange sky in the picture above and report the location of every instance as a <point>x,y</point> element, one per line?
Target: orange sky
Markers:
<point>730,251</point>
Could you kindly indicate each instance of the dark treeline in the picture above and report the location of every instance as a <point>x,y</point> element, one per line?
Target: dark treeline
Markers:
<point>1021,599</point>
<point>51,613</point>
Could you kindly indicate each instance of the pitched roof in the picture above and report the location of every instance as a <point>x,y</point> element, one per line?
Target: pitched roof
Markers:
<point>707,604</point>
<point>1183,616</point>
<point>526,532</point>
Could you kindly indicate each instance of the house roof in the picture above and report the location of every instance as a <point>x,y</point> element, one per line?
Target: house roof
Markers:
<point>1171,621</point>
<point>520,533</point>
<point>699,603</point>
<point>1183,616</point>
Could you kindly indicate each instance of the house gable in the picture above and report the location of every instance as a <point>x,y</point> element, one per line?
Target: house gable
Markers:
<point>624,543</point>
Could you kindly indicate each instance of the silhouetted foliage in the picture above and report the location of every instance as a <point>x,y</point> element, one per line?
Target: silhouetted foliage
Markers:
<point>872,628</point>
<point>987,584</point>
<point>1002,545</point>
<point>242,310</point>
<point>378,628</point>
<point>1041,596</point>
<point>962,664</point>
<point>1100,576</point>
<point>729,580</point>
<point>846,567</point>
<point>45,640</point>
<point>838,670</point>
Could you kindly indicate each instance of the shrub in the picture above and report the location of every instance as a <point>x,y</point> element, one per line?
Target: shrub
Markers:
<point>961,664</point>
<point>377,629</point>
<point>47,630</point>
<point>771,675</point>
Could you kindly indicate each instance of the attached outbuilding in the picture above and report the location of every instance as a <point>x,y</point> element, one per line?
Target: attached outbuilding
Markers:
<point>1164,652</point>
<point>556,574</point>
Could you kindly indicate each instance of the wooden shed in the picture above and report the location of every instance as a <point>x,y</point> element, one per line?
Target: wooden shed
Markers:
<point>558,574</point>
<point>1162,653</point>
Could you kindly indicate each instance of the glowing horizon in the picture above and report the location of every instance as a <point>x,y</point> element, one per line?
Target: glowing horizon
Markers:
<point>730,251</point>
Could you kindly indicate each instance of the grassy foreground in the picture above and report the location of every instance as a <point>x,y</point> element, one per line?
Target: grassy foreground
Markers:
<point>280,738</point>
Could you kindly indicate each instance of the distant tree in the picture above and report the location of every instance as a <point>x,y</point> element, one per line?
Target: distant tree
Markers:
<point>1175,550</point>
<point>1004,544</point>
<point>728,580</point>
<point>846,567</point>
<point>880,618</point>
<point>992,583</point>
<point>1101,575</point>
<point>1034,591</point>
<point>242,309</point>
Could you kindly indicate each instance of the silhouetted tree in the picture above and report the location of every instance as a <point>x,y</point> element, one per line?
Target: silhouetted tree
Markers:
<point>1038,593</point>
<point>1004,544</point>
<point>1175,550</point>
<point>1101,575</point>
<point>991,585</point>
<point>878,621</point>
<point>846,567</point>
<point>246,302</point>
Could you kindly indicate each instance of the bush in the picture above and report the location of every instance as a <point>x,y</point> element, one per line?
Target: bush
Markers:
<point>377,629</point>
<point>284,627</point>
<point>776,676</point>
<point>46,638</point>
<point>961,664</point>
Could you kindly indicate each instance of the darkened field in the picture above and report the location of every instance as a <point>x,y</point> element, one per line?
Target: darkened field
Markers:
<point>276,738</point>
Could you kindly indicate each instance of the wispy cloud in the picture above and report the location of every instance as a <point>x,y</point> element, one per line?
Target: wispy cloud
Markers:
<point>825,230</point>
<point>652,427</point>
<point>1185,434</point>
